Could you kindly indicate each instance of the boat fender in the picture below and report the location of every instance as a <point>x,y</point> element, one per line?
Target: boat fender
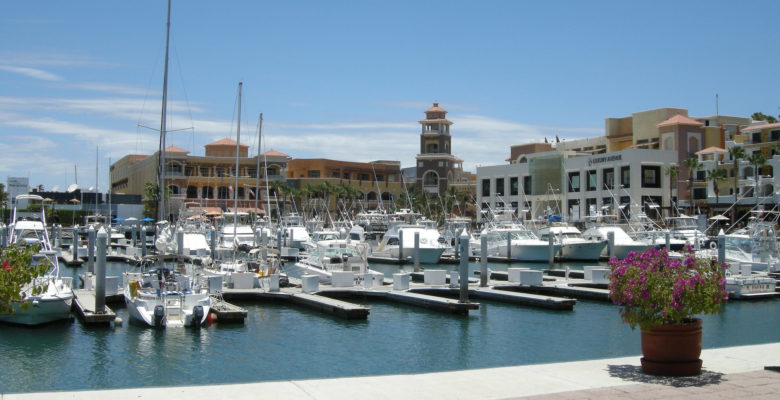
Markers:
<point>713,245</point>
<point>159,314</point>
<point>197,316</point>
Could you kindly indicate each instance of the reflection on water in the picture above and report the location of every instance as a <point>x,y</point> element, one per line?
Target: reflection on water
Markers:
<point>280,342</point>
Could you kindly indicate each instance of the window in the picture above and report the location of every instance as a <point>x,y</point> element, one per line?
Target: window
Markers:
<point>207,192</point>
<point>625,176</point>
<point>220,172</point>
<point>251,172</point>
<point>513,186</point>
<point>499,186</point>
<point>189,171</point>
<point>346,175</point>
<point>625,207</point>
<point>591,176</point>
<point>574,208</point>
<point>651,176</point>
<point>774,135</point>
<point>590,206</point>
<point>574,181</point>
<point>313,174</point>
<point>362,177</point>
<point>701,176</point>
<point>608,178</point>
<point>756,137</point>
<point>486,187</point>
<point>204,171</point>
<point>527,185</point>
<point>334,174</point>
<point>192,192</point>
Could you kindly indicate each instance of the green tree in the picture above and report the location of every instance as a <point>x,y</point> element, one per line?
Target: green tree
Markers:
<point>672,171</point>
<point>737,153</point>
<point>759,116</point>
<point>16,274</point>
<point>714,176</point>
<point>692,163</point>
<point>3,201</point>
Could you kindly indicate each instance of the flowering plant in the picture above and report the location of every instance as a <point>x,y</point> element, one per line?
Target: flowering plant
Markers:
<point>18,277</point>
<point>655,289</point>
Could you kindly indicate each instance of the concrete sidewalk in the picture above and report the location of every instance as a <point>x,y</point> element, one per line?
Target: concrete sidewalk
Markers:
<point>735,372</point>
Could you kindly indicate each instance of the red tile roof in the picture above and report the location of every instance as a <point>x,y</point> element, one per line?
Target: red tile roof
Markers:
<point>174,149</point>
<point>435,108</point>
<point>711,150</point>
<point>680,120</point>
<point>275,153</point>
<point>225,142</point>
<point>761,127</point>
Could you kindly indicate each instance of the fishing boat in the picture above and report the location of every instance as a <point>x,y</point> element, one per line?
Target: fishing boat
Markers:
<point>55,302</point>
<point>333,255</point>
<point>573,245</point>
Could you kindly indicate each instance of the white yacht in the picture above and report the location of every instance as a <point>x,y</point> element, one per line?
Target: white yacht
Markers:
<point>333,255</point>
<point>524,245</point>
<point>159,297</point>
<point>574,246</point>
<point>55,302</point>
<point>429,246</point>
<point>685,228</point>
<point>236,230</point>
<point>624,244</point>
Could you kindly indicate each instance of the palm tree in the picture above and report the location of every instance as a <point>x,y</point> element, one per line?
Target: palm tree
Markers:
<point>692,163</point>
<point>716,175</point>
<point>736,153</point>
<point>758,160</point>
<point>281,189</point>
<point>672,171</point>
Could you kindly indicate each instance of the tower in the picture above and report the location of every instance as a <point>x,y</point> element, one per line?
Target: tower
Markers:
<point>435,162</point>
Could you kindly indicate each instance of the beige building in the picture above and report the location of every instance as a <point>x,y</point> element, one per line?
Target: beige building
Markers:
<point>208,180</point>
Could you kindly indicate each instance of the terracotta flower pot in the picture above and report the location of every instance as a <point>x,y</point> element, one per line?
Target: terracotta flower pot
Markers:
<point>672,350</point>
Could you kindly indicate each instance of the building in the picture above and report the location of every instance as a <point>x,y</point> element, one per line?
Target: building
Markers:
<point>374,180</point>
<point>208,180</point>
<point>575,186</point>
<point>435,163</point>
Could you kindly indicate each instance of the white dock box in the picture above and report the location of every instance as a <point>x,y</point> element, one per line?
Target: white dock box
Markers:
<point>454,278</point>
<point>400,281</point>
<point>310,283</point>
<point>243,280</point>
<point>342,279</point>
<point>215,284</point>
<point>112,285</point>
<point>531,278</point>
<point>599,275</point>
<point>435,277</point>
<point>588,271</point>
<point>379,279</point>
<point>514,274</point>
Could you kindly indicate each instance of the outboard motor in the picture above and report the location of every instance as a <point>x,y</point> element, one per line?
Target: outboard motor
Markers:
<point>197,316</point>
<point>159,314</point>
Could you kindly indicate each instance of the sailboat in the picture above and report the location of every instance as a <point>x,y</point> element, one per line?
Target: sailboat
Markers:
<point>158,296</point>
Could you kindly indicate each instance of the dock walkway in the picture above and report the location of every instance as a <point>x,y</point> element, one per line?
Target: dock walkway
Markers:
<point>84,305</point>
<point>731,372</point>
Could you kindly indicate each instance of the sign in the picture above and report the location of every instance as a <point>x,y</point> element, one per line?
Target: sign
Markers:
<point>603,159</point>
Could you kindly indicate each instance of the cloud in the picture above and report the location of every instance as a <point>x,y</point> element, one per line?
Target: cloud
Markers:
<point>108,87</point>
<point>31,72</point>
<point>52,59</point>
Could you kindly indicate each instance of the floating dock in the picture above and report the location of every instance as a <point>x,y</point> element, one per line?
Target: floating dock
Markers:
<point>66,257</point>
<point>227,312</point>
<point>312,301</point>
<point>84,306</point>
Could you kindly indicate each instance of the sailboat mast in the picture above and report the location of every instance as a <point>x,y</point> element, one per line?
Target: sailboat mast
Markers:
<point>161,188</point>
<point>257,169</point>
<point>97,150</point>
<point>235,172</point>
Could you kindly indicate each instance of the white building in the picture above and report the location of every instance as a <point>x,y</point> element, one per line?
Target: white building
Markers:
<point>574,186</point>
<point>17,186</point>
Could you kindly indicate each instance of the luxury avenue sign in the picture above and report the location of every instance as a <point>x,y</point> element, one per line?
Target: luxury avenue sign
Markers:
<point>603,159</point>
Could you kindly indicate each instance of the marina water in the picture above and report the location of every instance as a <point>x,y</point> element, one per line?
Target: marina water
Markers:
<point>279,341</point>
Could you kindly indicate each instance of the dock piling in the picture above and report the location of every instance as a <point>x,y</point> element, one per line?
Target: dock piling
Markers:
<point>611,244</point>
<point>550,250</point>
<point>134,235</point>
<point>91,249</point>
<point>213,241</point>
<point>400,246</point>
<point>263,245</point>
<point>509,246</point>
<point>667,238</point>
<point>417,252</point>
<point>74,245</point>
<point>721,247</point>
<point>3,236</point>
<point>464,268</point>
<point>143,241</point>
<point>483,260</point>
<point>100,273</point>
<point>179,241</point>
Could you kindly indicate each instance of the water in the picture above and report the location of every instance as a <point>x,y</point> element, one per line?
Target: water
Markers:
<point>281,342</point>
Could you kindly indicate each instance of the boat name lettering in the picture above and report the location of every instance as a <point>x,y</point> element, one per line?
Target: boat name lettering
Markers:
<point>603,159</point>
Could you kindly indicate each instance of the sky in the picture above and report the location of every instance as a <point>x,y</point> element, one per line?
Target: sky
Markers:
<point>349,80</point>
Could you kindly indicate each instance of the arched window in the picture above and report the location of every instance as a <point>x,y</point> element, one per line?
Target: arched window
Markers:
<point>432,148</point>
<point>207,192</point>
<point>371,196</point>
<point>174,190</point>
<point>431,178</point>
<point>386,196</point>
<point>693,145</point>
<point>192,192</point>
<point>223,192</point>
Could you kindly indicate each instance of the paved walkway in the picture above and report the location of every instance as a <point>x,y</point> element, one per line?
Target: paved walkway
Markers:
<point>733,372</point>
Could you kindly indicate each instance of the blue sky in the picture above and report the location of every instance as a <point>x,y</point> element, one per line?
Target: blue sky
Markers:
<point>349,80</point>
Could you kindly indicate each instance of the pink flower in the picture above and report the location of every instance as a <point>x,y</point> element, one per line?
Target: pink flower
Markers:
<point>7,266</point>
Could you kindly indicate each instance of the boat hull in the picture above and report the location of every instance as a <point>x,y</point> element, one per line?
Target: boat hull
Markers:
<point>582,251</point>
<point>44,310</point>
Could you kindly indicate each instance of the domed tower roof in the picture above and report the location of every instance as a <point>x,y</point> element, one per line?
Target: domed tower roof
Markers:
<point>436,113</point>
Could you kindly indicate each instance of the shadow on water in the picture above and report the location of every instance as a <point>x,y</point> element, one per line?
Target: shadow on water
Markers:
<point>634,373</point>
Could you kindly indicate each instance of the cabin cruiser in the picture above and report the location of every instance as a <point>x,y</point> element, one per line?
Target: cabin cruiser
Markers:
<point>574,246</point>
<point>159,296</point>
<point>685,228</point>
<point>56,300</point>
<point>333,255</point>
<point>430,249</point>
<point>236,230</point>
<point>294,233</point>
<point>623,244</point>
